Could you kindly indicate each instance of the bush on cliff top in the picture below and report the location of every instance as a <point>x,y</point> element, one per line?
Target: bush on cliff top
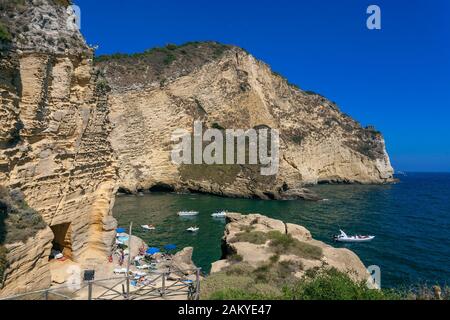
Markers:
<point>280,243</point>
<point>320,285</point>
<point>334,285</point>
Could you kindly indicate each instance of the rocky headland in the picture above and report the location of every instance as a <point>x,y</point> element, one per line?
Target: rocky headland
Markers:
<point>260,255</point>
<point>254,239</point>
<point>74,131</point>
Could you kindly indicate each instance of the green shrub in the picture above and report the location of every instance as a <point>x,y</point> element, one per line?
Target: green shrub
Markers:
<point>334,285</point>
<point>297,139</point>
<point>5,36</point>
<point>286,268</point>
<point>264,284</point>
<point>285,244</point>
<point>240,294</point>
<point>247,228</point>
<point>234,258</point>
<point>170,57</point>
<point>171,46</point>
<point>255,237</point>
<point>275,258</point>
<point>239,269</point>
<point>219,282</point>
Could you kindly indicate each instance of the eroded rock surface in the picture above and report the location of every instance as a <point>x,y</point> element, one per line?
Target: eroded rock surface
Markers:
<point>54,142</point>
<point>230,89</point>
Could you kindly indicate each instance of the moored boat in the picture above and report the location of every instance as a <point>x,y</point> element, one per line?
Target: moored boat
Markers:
<point>221,214</point>
<point>188,213</point>
<point>343,237</point>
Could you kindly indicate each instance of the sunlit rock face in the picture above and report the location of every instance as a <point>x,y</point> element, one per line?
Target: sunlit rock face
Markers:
<point>227,88</point>
<point>54,142</point>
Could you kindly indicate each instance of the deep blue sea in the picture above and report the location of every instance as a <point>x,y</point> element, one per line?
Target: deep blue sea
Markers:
<point>410,219</point>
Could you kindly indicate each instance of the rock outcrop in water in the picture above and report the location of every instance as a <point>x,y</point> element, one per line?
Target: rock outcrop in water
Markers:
<point>159,91</point>
<point>255,239</point>
<point>54,146</point>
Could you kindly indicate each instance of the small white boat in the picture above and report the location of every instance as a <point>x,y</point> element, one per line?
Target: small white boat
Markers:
<point>188,213</point>
<point>120,270</point>
<point>193,229</point>
<point>221,214</point>
<point>147,266</point>
<point>343,237</point>
<point>148,227</point>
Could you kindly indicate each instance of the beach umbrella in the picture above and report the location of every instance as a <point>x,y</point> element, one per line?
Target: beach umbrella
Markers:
<point>120,230</point>
<point>152,251</point>
<point>170,247</point>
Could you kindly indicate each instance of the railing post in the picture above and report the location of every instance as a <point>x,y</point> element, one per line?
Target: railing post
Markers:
<point>128,286</point>
<point>46,295</point>
<point>89,290</point>
<point>163,288</point>
<point>197,284</point>
<point>129,260</point>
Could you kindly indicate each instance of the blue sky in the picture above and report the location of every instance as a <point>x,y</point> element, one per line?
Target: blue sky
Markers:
<point>396,78</point>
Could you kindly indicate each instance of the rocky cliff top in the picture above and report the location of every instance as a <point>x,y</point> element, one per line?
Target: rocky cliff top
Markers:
<point>158,66</point>
<point>44,26</point>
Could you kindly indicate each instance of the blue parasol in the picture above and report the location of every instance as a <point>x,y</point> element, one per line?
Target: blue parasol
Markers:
<point>120,230</point>
<point>152,251</point>
<point>170,247</point>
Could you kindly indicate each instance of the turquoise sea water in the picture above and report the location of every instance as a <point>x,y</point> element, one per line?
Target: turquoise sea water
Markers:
<point>411,221</point>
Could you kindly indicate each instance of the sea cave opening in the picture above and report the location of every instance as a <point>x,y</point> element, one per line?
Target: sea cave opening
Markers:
<point>62,241</point>
<point>162,187</point>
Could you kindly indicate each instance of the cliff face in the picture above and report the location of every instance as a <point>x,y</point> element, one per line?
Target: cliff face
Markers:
<point>54,146</point>
<point>160,91</point>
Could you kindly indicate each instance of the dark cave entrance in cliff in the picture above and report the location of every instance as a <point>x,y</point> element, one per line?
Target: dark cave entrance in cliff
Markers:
<point>62,241</point>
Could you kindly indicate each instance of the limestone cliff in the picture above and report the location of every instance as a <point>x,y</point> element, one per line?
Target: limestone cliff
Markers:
<point>54,146</point>
<point>164,89</point>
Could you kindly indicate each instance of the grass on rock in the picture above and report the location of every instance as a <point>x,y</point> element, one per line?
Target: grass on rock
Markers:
<point>280,243</point>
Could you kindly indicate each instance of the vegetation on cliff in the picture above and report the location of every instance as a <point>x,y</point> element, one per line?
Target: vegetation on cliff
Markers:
<point>242,282</point>
<point>280,243</point>
<point>4,33</point>
<point>275,281</point>
<point>158,64</point>
<point>18,222</point>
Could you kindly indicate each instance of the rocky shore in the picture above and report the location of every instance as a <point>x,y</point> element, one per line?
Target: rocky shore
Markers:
<point>261,255</point>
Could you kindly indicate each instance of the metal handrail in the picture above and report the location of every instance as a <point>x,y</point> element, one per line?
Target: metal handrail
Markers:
<point>193,292</point>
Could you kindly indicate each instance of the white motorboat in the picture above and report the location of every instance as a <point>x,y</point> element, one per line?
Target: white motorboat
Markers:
<point>188,213</point>
<point>120,271</point>
<point>343,237</point>
<point>193,229</point>
<point>148,227</point>
<point>221,214</point>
